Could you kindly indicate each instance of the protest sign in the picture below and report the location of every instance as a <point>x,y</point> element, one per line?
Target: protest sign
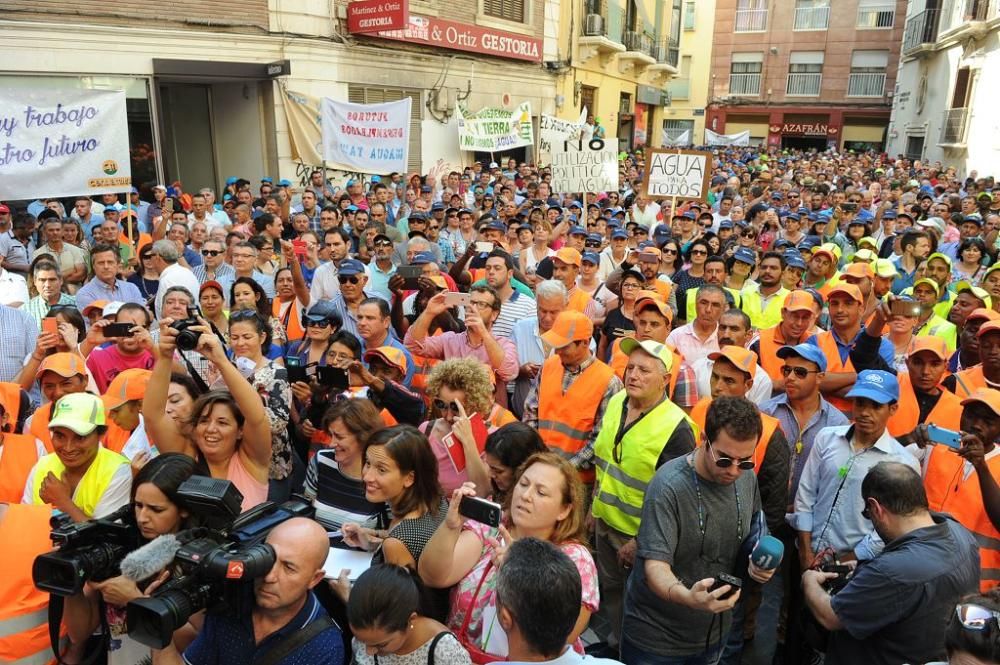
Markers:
<point>57,143</point>
<point>739,138</point>
<point>584,166</point>
<point>683,174</point>
<point>367,138</point>
<point>495,129</point>
<point>553,131</point>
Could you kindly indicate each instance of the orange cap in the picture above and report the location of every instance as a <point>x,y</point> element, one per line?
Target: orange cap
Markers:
<point>570,326</point>
<point>988,327</point>
<point>983,313</point>
<point>848,289</point>
<point>800,300</point>
<point>649,299</point>
<point>744,359</point>
<point>987,396</point>
<point>931,344</point>
<point>63,364</point>
<point>438,281</point>
<point>389,355</point>
<point>651,250</point>
<point>127,386</point>
<point>859,271</point>
<point>97,304</point>
<point>569,255</point>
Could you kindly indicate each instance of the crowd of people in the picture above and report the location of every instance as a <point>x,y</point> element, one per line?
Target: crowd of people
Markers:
<point>755,428</point>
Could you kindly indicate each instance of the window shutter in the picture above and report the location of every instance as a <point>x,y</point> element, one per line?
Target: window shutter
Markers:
<point>510,10</point>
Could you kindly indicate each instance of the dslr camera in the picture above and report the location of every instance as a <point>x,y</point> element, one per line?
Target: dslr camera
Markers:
<point>187,339</point>
<point>834,585</point>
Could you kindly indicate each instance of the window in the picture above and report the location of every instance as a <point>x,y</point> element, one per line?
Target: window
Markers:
<point>867,74</point>
<point>745,73</point>
<point>587,96</point>
<point>675,129</point>
<point>358,94</point>
<point>876,14</point>
<point>805,73</point>
<point>812,14</point>
<point>680,87</point>
<point>689,16</point>
<point>509,10</point>
<point>751,16</point>
<point>914,147</point>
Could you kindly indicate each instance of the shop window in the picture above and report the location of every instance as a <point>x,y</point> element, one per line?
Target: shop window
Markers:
<point>357,94</point>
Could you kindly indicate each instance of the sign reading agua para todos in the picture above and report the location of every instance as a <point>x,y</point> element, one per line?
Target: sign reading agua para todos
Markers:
<point>683,174</point>
<point>365,16</point>
<point>463,37</point>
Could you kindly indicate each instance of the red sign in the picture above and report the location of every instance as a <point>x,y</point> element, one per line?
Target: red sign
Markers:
<point>366,16</point>
<point>807,128</point>
<point>234,570</point>
<point>464,37</point>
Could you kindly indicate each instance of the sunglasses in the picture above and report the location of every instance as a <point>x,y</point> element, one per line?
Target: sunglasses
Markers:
<point>799,372</point>
<point>591,244</point>
<point>668,251</point>
<point>317,323</point>
<point>698,252</point>
<point>976,617</point>
<point>204,252</point>
<point>348,279</point>
<point>440,405</point>
<point>383,243</point>
<point>724,462</point>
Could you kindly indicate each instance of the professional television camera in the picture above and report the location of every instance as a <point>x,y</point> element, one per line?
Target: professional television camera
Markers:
<point>210,564</point>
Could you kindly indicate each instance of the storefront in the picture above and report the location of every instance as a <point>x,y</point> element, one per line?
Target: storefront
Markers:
<point>804,128</point>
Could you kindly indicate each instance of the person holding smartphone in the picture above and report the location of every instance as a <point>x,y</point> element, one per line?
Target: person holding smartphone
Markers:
<point>131,348</point>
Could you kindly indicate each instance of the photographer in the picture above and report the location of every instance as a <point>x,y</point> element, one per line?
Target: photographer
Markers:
<point>157,512</point>
<point>384,379</point>
<point>284,606</point>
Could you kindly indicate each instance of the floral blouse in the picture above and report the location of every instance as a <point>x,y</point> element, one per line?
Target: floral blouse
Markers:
<point>271,383</point>
<point>463,592</point>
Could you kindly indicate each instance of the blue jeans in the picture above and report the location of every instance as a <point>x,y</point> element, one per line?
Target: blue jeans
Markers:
<point>759,651</point>
<point>634,655</point>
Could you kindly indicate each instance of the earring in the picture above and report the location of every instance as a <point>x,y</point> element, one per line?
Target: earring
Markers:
<point>411,626</point>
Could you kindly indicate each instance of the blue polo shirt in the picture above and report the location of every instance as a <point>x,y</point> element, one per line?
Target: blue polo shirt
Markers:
<point>225,639</point>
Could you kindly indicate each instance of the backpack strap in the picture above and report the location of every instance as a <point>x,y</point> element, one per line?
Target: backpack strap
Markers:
<point>283,649</point>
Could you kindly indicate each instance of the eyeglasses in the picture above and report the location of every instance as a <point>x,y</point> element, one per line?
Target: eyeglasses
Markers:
<point>631,285</point>
<point>976,617</point>
<point>348,279</point>
<point>799,372</point>
<point>724,462</point>
<point>211,252</point>
<point>146,256</point>
<point>698,252</point>
<point>440,405</point>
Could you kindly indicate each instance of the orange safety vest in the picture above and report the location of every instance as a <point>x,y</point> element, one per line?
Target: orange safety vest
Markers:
<point>949,492</point>
<point>40,425</point>
<point>24,619</point>
<point>387,418</point>
<point>116,437</point>
<point>10,400</point>
<point>828,345</point>
<point>619,363</point>
<point>968,381</point>
<point>422,367</point>
<point>292,321</point>
<point>499,417</point>
<point>566,420</point>
<point>768,346</point>
<point>770,426</point>
<point>19,457</point>
<point>662,289</point>
<point>946,413</point>
<point>578,300</point>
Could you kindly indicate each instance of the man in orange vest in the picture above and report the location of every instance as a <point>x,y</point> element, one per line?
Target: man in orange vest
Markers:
<point>59,374</point>
<point>986,373</point>
<point>571,392</point>
<point>967,354</point>
<point>798,316</point>
<point>18,454</point>
<point>566,268</point>
<point>963,482</point>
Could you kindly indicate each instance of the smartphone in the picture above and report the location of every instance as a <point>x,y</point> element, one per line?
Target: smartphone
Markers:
<point>904,308</point>
<point>296,370</point>
<point>480,510</point>
<point>456,299</point>
<point>118,330</point>
<point>168,205</point>
<point>411,276</point>
<point>849,207</point>
<point>945,437</point>
<point>484,247</point>
<point>335,378</point>
<point>299,246</point>
<point>50,325</point>
<point>648,257</point>
<point>724,579</point>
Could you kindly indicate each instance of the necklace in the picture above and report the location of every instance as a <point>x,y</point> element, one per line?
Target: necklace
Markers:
<point>702,521</point>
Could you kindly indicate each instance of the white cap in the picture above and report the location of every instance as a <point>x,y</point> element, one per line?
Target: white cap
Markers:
<point>111,309</point>
<point>163,187</point>
<point>494,165</point>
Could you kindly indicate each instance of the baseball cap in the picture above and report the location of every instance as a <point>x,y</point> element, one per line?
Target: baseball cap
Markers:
<point>284,182</point>
<point>323,310</point>
<point>651,347</point>
<point>877,385</point>
<point>978,292</point>
<point>79,412</point>
<point>595,237</point>
<point>63,364</point>
<point>984,314</point>
<point>438,281</point>
<point>939,255</point>
<point>809,352</point>
<point>987,396</point>
<point>568,255</point>
<point>577,231</point>
<point>591,257</point>
<point>931,344</point>
<point>826,251</point>
<point>866,255</point>
<point>211,284</point>
<point>794,260</point>
<point>930,282</point>
<point>422,258</point>
<point>99,305</point>
<point>745,255</point>
<point>112,308</point>
<point>850,290</point>
<point>800,300</point>
<point>622,234</point>
<point>935,223</point>
<point>389,355</point>
<point>569,326</point>
<point>646,299</point>
<point>497,225</point>
<point>351,267</point>
<point>4,210</point>
<point>437,205</point>
<point>726,224</point>
<point>988,327</point>
<point>885,269</point>
<point>128,386</point>
<point>744,359</point>
<point>858,271</point>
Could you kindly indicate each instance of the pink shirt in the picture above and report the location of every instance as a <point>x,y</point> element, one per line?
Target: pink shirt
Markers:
<point>456,345</point>
<point>690,346</point>
<point>254,492</point>
<point>107,363</point>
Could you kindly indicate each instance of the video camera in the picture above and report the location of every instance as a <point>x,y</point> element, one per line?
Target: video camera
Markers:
<point>211,563</point>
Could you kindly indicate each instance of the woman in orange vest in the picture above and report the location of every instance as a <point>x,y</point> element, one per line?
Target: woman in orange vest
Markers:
<point>321,322</point>
<point>291,295</point>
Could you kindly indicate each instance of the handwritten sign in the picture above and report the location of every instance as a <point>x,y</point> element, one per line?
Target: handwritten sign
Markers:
<point>683,174</point>
<point>553,131</point>
<point>368,138</point>
<point>57,143</point>
<point>495,129</point>
<point>584,167</point>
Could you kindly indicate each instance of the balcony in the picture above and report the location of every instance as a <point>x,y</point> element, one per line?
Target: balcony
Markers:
<point>866,84</point>
<point>804,84</point>
<point>666,54</point>
<point>744,85</point>
<point>921,31</point>
<point>602,32</point>
<point>750,20</point>
<point>967,18</point>
<point>954,125</point>
<point>979,10</point>
<point>876,17</point>
<point>638,52</point>
<point>812,18</point>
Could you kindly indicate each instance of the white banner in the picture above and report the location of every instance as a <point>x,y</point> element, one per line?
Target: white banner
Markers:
<point>683,174</point>
<point>741,138</point>
<point>553,131</point>
<point>367,138</point>
<point>684,138</point>
<point>495,129</point>
<point>585,167</point>
<point>56,143</point>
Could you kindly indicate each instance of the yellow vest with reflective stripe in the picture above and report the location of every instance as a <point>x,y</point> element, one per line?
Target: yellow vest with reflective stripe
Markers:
<point>692,300</point>
<point>621,487</point>
<point>762,317</point>
<point>93,484</point>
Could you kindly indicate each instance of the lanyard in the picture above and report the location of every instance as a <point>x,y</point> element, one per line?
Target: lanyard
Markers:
<point>701,507</point>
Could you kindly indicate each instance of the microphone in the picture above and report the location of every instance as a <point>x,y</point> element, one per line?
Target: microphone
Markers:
<point>151,558</point>
<point>768,553</point>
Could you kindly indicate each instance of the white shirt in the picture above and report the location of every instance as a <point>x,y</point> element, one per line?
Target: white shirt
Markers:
<point>115,495</point>
<point>13,289</point>
<point>759,392</point>
<point>139,443</point>
<point>646,217</point>
<point>324,284</point>
<point>210,221</point>
<point>176,275</point>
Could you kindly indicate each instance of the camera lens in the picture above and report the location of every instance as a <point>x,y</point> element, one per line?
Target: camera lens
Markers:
<point>187,340</point>
<point>65,573</point>
<point>152,621</point>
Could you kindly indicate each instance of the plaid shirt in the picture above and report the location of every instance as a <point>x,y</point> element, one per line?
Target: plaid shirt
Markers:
<point>686,389</point>
<point>18,334</point>
<point>39,308</point>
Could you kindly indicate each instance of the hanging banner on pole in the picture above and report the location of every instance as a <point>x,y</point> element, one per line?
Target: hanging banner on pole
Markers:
<point>553,131</point>
<point>579,166</point>
<point>495,129</point>
<point>368,138</point>
<point>738,139</point>
<point>56,143</point>
<point>683,174</point>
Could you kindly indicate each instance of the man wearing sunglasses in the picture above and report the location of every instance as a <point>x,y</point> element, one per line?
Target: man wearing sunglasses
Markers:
<point>671,612</point>
<point>214,267</point>
<point>893,607</point>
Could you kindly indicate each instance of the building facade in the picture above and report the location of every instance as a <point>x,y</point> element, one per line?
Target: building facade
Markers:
<point>805,73</point>
<point>684,119</point>
<point>944,104</point>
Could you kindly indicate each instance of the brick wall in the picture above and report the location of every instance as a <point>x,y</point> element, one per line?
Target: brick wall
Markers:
<point>246,15</point>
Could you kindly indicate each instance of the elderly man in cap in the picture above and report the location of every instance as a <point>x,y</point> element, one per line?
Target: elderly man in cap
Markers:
<point>640,431</point>
<point>571,392</point>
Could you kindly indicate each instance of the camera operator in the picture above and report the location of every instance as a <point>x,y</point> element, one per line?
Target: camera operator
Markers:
<point>894,607</point>
<point>157,512</point>
<point>284,605</point>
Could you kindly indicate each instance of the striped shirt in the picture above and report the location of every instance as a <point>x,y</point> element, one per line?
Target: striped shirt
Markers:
<point>338,499</point>
<point>39,308</point>
<point>18,335</point>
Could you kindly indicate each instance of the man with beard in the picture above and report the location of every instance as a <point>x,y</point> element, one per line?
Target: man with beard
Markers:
<point>798,315</point>
<point>763,303</point>
<point>967,354</point>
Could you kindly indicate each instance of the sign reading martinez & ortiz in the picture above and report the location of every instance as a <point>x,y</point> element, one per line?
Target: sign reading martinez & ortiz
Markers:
<point>56,143</point>
<point>463,37</point>
<point>584,167</point>
<point>495,129</point>
<point>365,16</point>
<point>682,174</point>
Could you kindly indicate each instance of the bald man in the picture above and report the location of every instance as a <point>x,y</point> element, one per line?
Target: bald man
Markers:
<point>284,604</point>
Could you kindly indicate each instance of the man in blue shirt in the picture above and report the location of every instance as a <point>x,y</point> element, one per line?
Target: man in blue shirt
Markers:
<point>105,284</point>
<point>284,604</point>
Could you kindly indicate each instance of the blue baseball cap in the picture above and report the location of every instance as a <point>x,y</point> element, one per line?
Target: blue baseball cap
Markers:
<point>575,204</point>
<point>592,257</point>
<point>267,179</point>
<point>352,208</point>
<point>571,218</point>
<point>889,214</point>
<point>376,179</point>
<point>690,215</point>
<point>577,230</point>
<point>426,189</point>
<point>231,180</point>
<point>876,385</point>
<point>745,255</point>
<point>726,224</point>
<point>617,211</point>
<point>437,206</point>
<point>351,267</point>
<point>284,182</point>
<point>497,225</point>
<point>662,232</point>
<point>619,234</point>
<point>595,237</point>
<point>809,242</point>
<point>417,216</point>
<point>422,258</point>
<point>793,215</point>
<point>806,351</point>
<point>794,260</point>
<point>133,190</point>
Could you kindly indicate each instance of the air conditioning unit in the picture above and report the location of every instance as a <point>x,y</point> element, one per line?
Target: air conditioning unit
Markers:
<point>593,25</point>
